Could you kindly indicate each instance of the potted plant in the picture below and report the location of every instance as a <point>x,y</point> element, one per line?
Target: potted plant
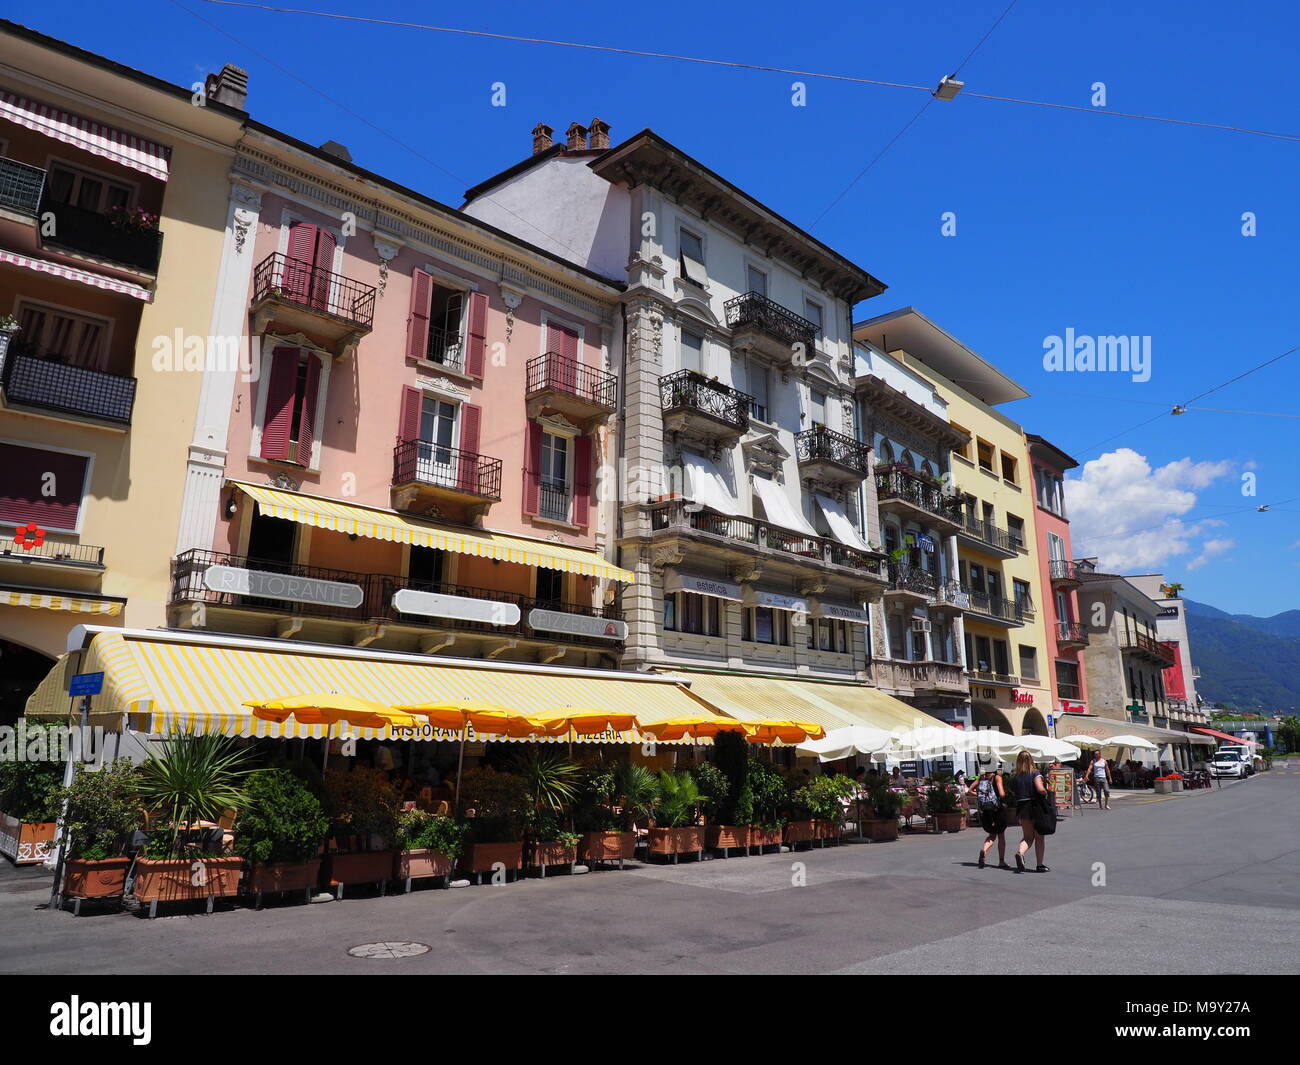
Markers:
<point>101,811</point>
<point>767,791</point>
<point>798,818</point>
<point>609,834</point>
<point>725,794</point>
<point>823,797</point>
<point>279,832</point>
<point>427,846</point>
<point>8,328</point>
<point>675,830</point>
<point>551,784</point>
<point>191,782</point>
<point>495,805</point>
<point>28,808</point>
<point>884,806</point>
<point>944,804</point>
<point>362,807</point>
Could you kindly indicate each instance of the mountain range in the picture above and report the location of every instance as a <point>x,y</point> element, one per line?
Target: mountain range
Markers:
<point>1246,662</point>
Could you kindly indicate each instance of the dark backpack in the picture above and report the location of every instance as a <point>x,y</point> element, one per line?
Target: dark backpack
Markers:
<point>986,794</point>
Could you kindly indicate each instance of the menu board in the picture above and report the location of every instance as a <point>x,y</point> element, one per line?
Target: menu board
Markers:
<point>1061,781</point>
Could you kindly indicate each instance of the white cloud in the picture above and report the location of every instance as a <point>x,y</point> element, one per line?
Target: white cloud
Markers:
<point>1131,516</point>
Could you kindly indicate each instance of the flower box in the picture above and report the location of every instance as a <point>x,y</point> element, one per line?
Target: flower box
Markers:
<point>418,864</point>
<point>798,832</point>
<point>674,841</point>
<point>186,880</point>
<point>880,831</point>
<point>103,879</point>
<point>480,858</point>
<point>27,843</point>
<point>949,822</point>
<point>761,837</point>
<point>1164,787</point>
<point>273,877</point>
<point>607,846</point>
<point>358,867</point>
<point>726,838</point>
<point>824,830</point>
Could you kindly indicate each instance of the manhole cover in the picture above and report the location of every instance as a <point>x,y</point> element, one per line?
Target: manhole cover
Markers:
<point>389,950</point>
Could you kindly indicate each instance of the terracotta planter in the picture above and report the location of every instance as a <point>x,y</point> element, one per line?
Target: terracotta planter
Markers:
<point>726,837</point>
<point>674,841</point>
<point>550,852</point>
<point>172,880</point>
<point>103,879</point>
<point>480,857</point>
<point>825,830</point>
<point>761,837</point>
<point>357,867</point>
<point>949,822</point>
<point>798,832</point>
<point>418,864</point>
<point>270,877</point>
<point>26,843</point>
<point>607,846</point>
<point>880,831</point>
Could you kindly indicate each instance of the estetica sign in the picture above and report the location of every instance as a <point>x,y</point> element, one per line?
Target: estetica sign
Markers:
<point>577,624</point>
<point>264,585</point>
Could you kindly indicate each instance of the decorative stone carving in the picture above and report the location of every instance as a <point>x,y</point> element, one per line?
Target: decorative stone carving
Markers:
<point>669,555</point>
<point>386,248</point>
<point>283,481</point>
<point>512,297</point>
<point>813,586</point>
<point>445,386</point>
<point>243,222</point>
<point>646,331</point>
<point>746,571</point>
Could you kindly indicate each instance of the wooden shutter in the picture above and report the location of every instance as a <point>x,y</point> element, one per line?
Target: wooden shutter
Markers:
<point>25,473</point>
<point>412,404</point>
<point>279,403</point>
<point>307,416</point>
<point>299,260</point>
<point>533,470</point>
<point>417,325</point>
<point>476,345</point>
<point>323,262</point>
<point>581,480</point>
<point>468,475</point>
<point>562,373</point>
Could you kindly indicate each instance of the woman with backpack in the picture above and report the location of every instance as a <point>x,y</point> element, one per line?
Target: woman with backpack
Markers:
<point>991,800</point>
<point>1027,785</point>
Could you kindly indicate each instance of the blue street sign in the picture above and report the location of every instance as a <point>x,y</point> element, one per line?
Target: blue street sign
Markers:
<point>1049,720</point>
<point>86,684</point>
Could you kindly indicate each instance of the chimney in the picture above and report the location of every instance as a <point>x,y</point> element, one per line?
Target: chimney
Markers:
<point>599,135</point>
<point>541,137</point>
<point>577,137</point>
<point>230,87</point>
<point>337,150</point>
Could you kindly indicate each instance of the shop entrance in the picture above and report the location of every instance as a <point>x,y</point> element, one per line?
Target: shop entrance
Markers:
<point>21,670</point>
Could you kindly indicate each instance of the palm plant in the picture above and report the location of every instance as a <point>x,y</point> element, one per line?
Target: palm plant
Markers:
<point>194,778</point>
<point>679,796</point>
<point>551,780</point>
<point>637,789</point>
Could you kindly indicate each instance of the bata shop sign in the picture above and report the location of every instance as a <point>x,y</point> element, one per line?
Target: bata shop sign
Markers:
<point>577,624</point>
<point>1023,698</point>
<point>264,585</point>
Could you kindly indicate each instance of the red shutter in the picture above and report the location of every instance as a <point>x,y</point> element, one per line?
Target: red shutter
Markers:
<point>532,471</point>
<point>323,261</point>
<point>412,404</point>
<point>477,346</point>
<point>468,475</point>
<point>279,403</point>
<point>307,416</point>
<point>26,473</point>
<point>417,325</point>
<point>581,480</point>
<point>300,258</point>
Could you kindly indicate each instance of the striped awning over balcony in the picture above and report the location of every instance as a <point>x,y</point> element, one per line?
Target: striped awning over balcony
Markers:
<point>39,599</point>
<point>121,147</point>
<point>71,273</point>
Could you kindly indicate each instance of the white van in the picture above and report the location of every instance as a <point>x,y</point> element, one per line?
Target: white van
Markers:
<point>1232,762</point>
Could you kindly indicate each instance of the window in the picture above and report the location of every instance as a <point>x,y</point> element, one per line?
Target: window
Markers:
<point>692,256</point>
<point>446,335</point>
<point>437,430</point>
<point>976,577</point>
<point>550,586</point>
<point>984,454</point>
<point>920,645</point>
<point>817,404</point>
<point>289,427</point>
<point>46,487</point>
<point>447,325</point>
<point>1001,662</point>
<point>964,450</point>
<point>756,379</point>
<point>1009,468</point>
<point>427,566</point>
<point>984,654</point>
<point>1016,527</point>
<point>67,336</point>
<point>886,453</point>
<point>1067,680</point>
<point>1024,600</point>
<point>813,312</point>
<point>700,615</point>
<point>828,634</point>
<point>553,483</point>
<point>756,279</point>
<point>86,189</point>
<point>692,353</point>
<point>1028,663</point>
<point>764,625</point>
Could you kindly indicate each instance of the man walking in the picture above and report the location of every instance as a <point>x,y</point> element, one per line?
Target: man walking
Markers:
<point>1100,773</point>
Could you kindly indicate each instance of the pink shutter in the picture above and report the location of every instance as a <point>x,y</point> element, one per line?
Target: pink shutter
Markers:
<point>417,325</point>
<point>532,472</point>
<point>323,264</point>
<point>23,484</point>
<point>581,480</point>
<point>279,403</point>
<point>307,416</point>
<point>412,404</point>
<point>299,260</point>
<point>470,417</point>
<point>477,346</point>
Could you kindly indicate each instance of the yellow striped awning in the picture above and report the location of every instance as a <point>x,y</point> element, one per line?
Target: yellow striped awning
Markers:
<point>171,685</point>
<point>868,705</point>
<point>389,525</point>
<point>72,603</point>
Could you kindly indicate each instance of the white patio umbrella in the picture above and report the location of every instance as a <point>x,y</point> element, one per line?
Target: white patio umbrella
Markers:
<point>929,741</point>
<point>1135,742</point>
<point>849,741</point>
<point>1085,741</point>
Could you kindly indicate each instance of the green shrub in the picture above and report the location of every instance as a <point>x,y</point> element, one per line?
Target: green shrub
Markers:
<point>499,801</point>
<point>821,797</point>
<point>767,787</point>
<point>679,799</point>
<point>418,830</point>
<point>28,790</point>
<point>102,811</point>
<point>714,788</point>
<point>191,778</point>
<point>281,820</point>
<point>731,756</point>
<point>361,803</point>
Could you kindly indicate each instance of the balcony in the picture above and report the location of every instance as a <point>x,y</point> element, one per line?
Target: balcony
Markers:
<point>696,405</point>
<point>100,237</point>
<point>301,297</point>
<point>905,492</point>
<point>941,678</point>
<point>1153,651</point>
<point>760,326</point>
<point>52,385</point>
<point>560,383</point>
<point>831,457</point>
<point>1063,574</point>
<point>986,537</point>
<point>744,540</point>
<point>995,609</point>
<point>992,677</point>
<point>911,584</point>
<point>426,475</point>
<point>20,187</point>
<point>72,556</point>
<point>1071,636</point>
<point>554,500</point>
<point>374,593</point>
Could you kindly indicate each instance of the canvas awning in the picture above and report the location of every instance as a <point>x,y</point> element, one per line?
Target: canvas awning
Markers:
<point>1105,727</point>
<point>706,485</point>
<point>778,507</point>
<point>72,273</point>
<point>841,525</point>
<point>43,599</point>
<point>1227,737</point>
<point>167,683</point>
<point>95,137</point>
<point>389,525</point>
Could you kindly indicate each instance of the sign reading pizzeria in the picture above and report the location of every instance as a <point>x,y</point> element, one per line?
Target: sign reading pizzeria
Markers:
<point>264,585</point>
<point>577,624</point>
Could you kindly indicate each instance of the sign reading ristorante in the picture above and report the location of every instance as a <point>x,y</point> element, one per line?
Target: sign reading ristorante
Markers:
<point>266,585</point>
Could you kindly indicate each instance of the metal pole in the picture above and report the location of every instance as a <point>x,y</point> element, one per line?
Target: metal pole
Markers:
<point>56,890</point>
<point>460,762</point>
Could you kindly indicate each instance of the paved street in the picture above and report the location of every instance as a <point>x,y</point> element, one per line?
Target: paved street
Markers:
<point>1204,882</point>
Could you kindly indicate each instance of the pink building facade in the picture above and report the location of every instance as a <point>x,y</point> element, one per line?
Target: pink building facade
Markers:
<point>1067,632</point>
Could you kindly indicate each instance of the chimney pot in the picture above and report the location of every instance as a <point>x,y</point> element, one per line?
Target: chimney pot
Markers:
<point>599,135</point>
<point>541,137</point>
<point>577,137</point>
<point>230,87</point>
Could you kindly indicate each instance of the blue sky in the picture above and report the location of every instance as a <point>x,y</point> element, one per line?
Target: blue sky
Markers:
<point>1064,220</point>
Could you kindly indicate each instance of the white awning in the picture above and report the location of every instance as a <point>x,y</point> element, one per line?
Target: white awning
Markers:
<point>686,582</point>
<point>856,615</point>
<point>72,273</point>
<point>706,485</point>
<point>842,527</point>
<point>86,134</point>
<point>778,507</point>
<point>775,600</point>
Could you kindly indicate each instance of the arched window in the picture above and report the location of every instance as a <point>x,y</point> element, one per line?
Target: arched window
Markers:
<point>886,453</point>
<point>927,469</point>
<point>907,461</point>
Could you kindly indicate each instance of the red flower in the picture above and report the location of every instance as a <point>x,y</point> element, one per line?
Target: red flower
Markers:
<point>29,536</point>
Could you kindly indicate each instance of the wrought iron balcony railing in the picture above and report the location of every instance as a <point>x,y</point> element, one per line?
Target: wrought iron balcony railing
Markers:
<point>1143,644</point>
<point>691,391</point>
<point>21,186</point>
<point>467,472</point>
<point>58,386</point>
<point>908,579</point>
<point>751,309</point>
<point>996,607</point>
<point>1062,569</point>
<point>820,444</point>
<point>85,556</point>
<point>990,534</point>
<point>446,348</point>
<point>1071,632</point>
<point>553,500</point>
<point>562,373</point>
<point>899,482</point>
<point>98,235</point>
<point>299,283</point>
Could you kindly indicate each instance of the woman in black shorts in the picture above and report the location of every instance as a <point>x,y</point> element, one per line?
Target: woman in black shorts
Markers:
<point>990,798</point>
<point>1027,785</point>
